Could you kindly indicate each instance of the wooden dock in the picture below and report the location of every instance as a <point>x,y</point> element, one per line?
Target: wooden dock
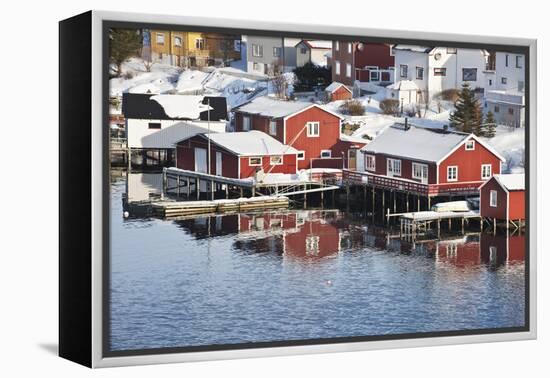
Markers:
<point>419,222</point>
<point>184,208</point>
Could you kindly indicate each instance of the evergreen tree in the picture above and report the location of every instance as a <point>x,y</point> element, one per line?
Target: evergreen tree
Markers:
<point>124,43</point>
<point>490,125</point>
<point>467,117</point>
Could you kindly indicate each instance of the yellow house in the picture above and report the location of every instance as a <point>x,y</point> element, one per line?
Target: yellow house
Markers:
<point>192,49</point>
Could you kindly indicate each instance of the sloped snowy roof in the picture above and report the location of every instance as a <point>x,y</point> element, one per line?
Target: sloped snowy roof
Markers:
<point>251,143</point>
<point>181,106</point>
<point>515,181</point>
<point>317,44</point>
<point>334,86</point>
<point>416,143</point>
<point>404,85</point>
<point>413,48</point>
<point>274,108</point>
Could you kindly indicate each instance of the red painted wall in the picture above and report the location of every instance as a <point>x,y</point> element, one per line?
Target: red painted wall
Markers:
<point>301,245</point>
<point>341,94</point>
<point>469,163</point>
<point>406,168</point>
<point>288,166</point>
<point>465,254</point>
<point>329,134</point>
<point>517,205</point>
<point>343,57</point>
<point>485,209</point>
<point>259,123</point>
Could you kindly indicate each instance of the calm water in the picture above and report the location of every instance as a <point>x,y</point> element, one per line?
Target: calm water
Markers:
<point>298,275</point>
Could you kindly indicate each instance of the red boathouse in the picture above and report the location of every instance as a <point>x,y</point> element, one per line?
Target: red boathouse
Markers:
<point>426,162</point>
<point>236,155</point>
<point>503,198</point>
<point>314,131</point>
<point>338,91</point>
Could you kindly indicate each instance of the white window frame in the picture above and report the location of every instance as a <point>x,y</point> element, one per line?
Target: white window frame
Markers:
<point>337,67</point>
<point>160,38</point>
<point>255,164</point>
<point>449,170</point>
<point>493,198</point>
<point>273,128</point>
<point>257,50</point>
<point>394,163</point>
<point>486,175</point>
<point>470,145</point>
<point>374,75</point>
<point>178,41</point>
<point>421,70</point>
<point>337,46</point>
<point>349,48</point>
<point>310,126</point>
<point>277,51</point>
<point>303,157</point>
<point>279,160</point>
<point>324,152</point>
<point>199,43</point>
<point>420,166</point>
<point>403,71</point>
<point>372,158</point>
<point>246,123</point>
<point>348,70</point>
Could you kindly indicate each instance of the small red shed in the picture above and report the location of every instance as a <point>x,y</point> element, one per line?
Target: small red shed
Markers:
<point>311,129</point>
<point>503,198</point>
<point>338,91</point>
<point>236,155</point>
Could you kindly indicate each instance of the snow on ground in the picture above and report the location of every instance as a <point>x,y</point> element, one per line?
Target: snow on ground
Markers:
<point>510,143</point>
<point>136,79</point>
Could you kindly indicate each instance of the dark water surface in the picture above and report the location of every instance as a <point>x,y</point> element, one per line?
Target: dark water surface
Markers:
<point>298,274</point>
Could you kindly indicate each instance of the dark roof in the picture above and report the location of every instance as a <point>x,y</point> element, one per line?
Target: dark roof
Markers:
<point>140,106</point>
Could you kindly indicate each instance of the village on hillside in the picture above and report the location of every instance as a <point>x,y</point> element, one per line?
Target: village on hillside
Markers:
<point>426,133</point>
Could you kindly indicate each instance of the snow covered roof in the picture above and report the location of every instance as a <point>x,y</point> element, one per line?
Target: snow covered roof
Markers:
<point>334,86</point>
<point>413,48</point>
<point>514,181</point>
<point>317,44</point>
<point>275,108</point>
<point>415,143</point>
<point>250,143</point>
<point>404,85</point>
<point>180,106</point>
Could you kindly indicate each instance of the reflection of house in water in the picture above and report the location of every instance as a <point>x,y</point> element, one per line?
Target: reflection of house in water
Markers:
<point>142,187</point>
<point>297,234</point>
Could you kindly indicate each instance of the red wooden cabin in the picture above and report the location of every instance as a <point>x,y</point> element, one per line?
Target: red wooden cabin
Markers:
<point>503,198</point>
<point>427,162</point>
<point>310,128</point>
<point>236,155</point>
<point>338,91</point>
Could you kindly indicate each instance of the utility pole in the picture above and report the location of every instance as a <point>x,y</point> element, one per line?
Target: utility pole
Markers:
<point>209,153</point>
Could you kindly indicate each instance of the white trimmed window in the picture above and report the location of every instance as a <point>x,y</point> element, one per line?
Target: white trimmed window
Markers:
<point>419,171</point>
<point>394,167</point>
<point>325,154</point>
<point>160,38</point>
<point>470,145</point>
<point>246,123</point>
<point>348,70</point>
<point>255,161</point>
<point>257,50</point>
<point>177,41</point>
<point>370,162</point>
<point>337,45</point>
<point>272,127</point>
<point>276,160</point>
<point>493,198</point>
<point>349,47</point>
<point>337,67</point>
<point>403,71</point>
<point>486,171</point>
<point>199,43</point>
<point>452,173</point>
<point>301,155</point>
<point>313,129</point>
<point>277,52</point>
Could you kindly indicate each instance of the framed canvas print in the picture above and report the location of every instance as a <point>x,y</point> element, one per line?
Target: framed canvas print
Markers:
<point>231,188</point>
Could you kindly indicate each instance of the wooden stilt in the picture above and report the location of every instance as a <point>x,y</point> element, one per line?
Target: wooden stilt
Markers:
<point>198,187</point>
<point>178,185</point>
<point>429,202</point>
<point>226,191</point>
<point>188,188</point>
<point>494,225</point>
<point>462,225</point>
<point>407,196</point>
<point>394,204</point>
<point>212,190</point>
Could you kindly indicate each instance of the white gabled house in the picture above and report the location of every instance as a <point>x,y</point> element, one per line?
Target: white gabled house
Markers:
<point>435,69</point>
<point>157,122</point>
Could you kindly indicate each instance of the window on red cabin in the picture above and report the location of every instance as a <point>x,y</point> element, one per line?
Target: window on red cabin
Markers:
<point>301,155</point>
<point>276,160</point>
<point>246,123</point>
<point>486,171</point>
<point>470,145</point>
<point>370,162</point>
<point>273,128</point>
<point>452,173</point>
<point>313,129</point>
<point>325,154</point>
<point>254,161</point>
<point>493,198</point>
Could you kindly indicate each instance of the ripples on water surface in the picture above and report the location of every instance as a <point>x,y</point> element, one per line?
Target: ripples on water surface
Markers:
<point>299,275</point>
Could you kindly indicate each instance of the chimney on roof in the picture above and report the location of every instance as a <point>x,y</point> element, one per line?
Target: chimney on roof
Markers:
<point>406,123</point>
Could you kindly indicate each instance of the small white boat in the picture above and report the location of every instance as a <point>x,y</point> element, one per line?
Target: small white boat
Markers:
<point>454,206</point>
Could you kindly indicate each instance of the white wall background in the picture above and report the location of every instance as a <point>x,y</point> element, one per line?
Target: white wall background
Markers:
<point>28,270</point>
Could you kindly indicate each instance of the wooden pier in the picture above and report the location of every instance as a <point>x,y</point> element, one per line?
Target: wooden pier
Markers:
<point>185,208</point>
<point>420,222</point>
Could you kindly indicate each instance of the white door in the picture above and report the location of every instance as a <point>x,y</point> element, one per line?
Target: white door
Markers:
<point>218,163</point>
<point>200,160</point>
